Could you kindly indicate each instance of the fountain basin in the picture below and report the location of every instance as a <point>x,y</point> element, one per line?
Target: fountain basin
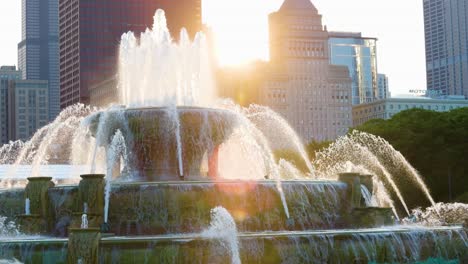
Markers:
<point>151,136</point>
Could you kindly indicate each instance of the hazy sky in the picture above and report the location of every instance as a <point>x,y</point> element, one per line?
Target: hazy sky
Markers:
<point>398,24</point>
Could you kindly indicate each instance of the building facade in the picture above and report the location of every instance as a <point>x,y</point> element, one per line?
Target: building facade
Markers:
<point>386,109</point>
<point>301,85</point>
<point>359,54</point>
<point>24,105</point>
<point>8,74</point>
<point>28,108</point>
<point>38,51</point>
<point>383,86</point>
<point>90,33</point>
<point>446,37</point>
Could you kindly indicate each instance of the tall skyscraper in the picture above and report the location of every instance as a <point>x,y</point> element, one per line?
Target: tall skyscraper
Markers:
<point>38,51</point>
<point>90,33</point>
<point>446,33</point>
<point>359,54</point>
<point>312,95</point>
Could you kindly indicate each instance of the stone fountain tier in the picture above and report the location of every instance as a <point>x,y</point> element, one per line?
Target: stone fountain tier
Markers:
<point>380,245</point>
<point>150,136</point>
<point>158,208</point>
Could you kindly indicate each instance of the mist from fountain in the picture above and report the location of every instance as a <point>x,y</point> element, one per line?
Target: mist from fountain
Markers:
<point>223,228</point>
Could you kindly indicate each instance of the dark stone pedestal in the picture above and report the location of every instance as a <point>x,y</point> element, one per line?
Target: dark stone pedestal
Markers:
<point>83,245</point>
<point>32,224</point>
<point>91,192</point>
<point>40,219</point>
<point>368,217</point>
<point>353,180</point>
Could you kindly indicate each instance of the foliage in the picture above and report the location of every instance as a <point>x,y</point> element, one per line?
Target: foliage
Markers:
<point>435,143</point>
<point>315,146</point>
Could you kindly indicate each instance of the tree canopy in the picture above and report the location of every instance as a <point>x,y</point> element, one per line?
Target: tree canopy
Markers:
<point>435,143</point>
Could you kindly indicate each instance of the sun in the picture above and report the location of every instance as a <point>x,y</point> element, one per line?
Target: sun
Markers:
<point>240,28</point>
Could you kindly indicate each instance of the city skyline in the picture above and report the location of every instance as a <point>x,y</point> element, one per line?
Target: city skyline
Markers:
<point>397,38</point>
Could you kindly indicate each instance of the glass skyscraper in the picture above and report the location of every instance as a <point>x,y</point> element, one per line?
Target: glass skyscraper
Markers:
<point>360,56</point>
<point>446,35</point>
<point>38,51</point>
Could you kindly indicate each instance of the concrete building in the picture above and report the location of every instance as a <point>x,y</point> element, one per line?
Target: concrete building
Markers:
<point>38,51</point>
<point>386,109</point>
<point>359,54</point>
<point>28,108</point>
<point>301,85</point>
<point>446,36</point>
<point>384,89</point>
<point>90,33</point>
<point>24,105</point>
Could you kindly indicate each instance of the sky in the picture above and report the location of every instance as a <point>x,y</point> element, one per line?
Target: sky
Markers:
<point>242,30</point>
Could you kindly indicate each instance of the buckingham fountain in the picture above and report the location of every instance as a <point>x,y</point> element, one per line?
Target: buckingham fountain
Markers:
<point>173,175</point>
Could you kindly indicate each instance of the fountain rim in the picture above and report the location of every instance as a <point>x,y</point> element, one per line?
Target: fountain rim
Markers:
<point>335,233</point>
<point>373,208</point>
<point>179,107</point>
<point>92,176</point>
<point>84,230</point>
<point>39,178</point>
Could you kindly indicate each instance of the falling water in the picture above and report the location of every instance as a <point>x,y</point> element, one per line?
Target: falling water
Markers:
<point>84,221</point>
<point>115,150</point>
<point>42,153</point>
<point>36,150</point>
<point>345,151</point>
<point>278,131</point>
<point>223,227</point>
<point>175,116</point>
<point>368,197</point>
<point>387,153</point>
<point>27,207</point>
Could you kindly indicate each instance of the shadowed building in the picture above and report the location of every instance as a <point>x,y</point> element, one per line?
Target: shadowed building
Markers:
<point>90,33</point>
<point>24,105</point>
<point>446,35</point>
<point>301,84</point>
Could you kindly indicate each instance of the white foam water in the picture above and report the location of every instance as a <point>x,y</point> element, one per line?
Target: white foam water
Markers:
<point>223,228</point>
<point>439,214</point>
<point>156,71</point>
<point>8,228</point>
